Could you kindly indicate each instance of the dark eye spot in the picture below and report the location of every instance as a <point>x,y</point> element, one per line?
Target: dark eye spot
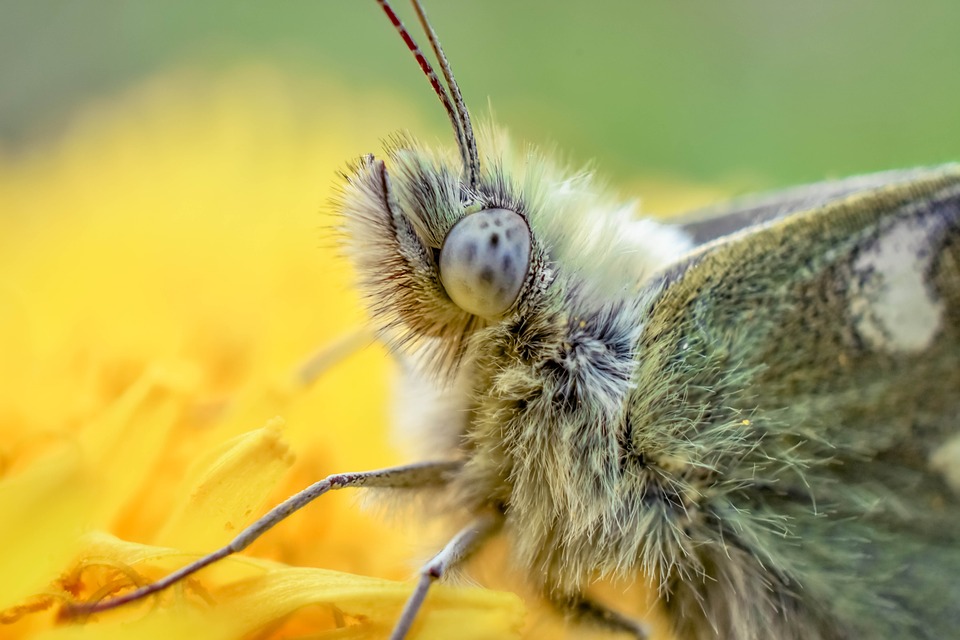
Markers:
<point>497,222</point>
<point>484,224</point>
<point>486,275</point>
<point>494,239</point>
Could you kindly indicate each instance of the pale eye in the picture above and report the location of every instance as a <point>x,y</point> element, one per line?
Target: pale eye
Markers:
<point>484,261</point>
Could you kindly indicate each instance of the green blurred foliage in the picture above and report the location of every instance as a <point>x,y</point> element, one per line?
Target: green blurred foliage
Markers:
<point>776,92</point>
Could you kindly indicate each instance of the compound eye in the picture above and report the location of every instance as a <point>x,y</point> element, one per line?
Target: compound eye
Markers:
<point>484,261</point>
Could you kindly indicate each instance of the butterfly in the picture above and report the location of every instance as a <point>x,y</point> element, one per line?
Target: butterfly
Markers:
<point>755,407</point>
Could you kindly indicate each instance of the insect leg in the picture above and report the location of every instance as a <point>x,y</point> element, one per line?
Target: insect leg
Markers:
<point>319,362</point>
<point>468,540</point>
<point>412,476</point>
<point>581,608</point>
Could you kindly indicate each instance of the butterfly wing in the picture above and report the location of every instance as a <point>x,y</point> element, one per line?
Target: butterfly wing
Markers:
<point>718,221</point>
<point>800,377</point>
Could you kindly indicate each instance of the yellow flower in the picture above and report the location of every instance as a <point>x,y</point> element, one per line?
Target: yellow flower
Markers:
<point>158,288</point>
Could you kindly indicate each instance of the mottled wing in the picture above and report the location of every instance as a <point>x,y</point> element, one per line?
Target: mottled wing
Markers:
<point>811,364</point>
<point>722,220</point>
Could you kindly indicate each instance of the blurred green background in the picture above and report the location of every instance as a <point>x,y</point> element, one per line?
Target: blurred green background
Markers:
<point>777,92</point>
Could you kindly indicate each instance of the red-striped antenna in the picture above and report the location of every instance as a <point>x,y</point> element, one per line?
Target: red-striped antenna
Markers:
<point>450,95</point>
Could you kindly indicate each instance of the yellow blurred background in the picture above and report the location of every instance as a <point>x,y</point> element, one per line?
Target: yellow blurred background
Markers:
<point>166,264</point>
<point>785,92</point>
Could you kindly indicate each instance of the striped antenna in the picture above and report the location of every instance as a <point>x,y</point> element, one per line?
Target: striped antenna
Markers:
<point>454,105</point>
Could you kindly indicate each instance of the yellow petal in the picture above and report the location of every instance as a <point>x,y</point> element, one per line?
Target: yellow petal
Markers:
<point>372,604</point>
<point>224,495</point>
<point>42,511</point>
<point>254,595</point>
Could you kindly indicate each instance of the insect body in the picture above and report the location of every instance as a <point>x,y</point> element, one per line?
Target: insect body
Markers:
<point>753,425</point>
<point>753,408</point>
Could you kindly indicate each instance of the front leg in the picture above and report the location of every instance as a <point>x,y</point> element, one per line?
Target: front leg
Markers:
<point>412,476</point>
